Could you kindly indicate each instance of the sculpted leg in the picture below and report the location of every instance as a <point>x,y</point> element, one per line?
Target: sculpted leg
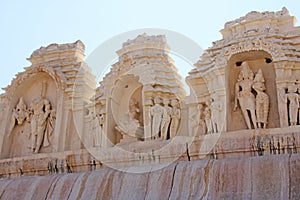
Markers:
<point>164,129</point>
<point>253,117</point>
<point>246,117</point>
<point>33,142</point>
<point>39,140</point>
<point>33,135</point>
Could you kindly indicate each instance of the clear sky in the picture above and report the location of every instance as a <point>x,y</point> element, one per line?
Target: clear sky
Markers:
<point>28,25</point>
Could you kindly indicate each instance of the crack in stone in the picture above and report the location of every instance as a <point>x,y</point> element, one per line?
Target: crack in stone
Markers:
<point>84,179</point>
<point>172,183</point>
<point>147,184</point>
<point>187,152</point>
<point>72,187</point>
<point>290,181</point>
<point>11,181</point>
<point>121,181</point>
<point>53,184</point>
<point>206,176</point>
<point>251,178</point>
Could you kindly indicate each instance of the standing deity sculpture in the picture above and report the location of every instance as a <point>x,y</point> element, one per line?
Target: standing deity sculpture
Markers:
<point>216,112</point>
<point>261,101</point>
<point>156,113</point>
<point>95,129</point>
<point>39,113</point>
<point>197,121</point>
<point>293,104</point>
<point>175,117</point>
<point>166,118</point>
<point>42,120</point>
<point>244,96</point>
<point>19,114</point>
<point>207,118</point>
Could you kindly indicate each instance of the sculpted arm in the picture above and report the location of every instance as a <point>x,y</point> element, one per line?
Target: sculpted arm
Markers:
<point>236,93</point>
<point>178,113</point>
<point>47,109</point>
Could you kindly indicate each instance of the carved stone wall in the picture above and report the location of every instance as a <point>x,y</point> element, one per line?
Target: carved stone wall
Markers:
<point>256,60</point>
<point>143,72</point>
<point>51,89</point>
<point>267,41</point>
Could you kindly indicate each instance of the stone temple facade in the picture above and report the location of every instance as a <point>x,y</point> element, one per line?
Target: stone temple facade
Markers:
<point>235,136</point>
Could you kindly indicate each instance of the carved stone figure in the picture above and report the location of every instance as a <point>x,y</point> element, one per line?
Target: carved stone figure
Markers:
<point>175,117</point>
<point>39,114</point>
<point>207,117</point>
<point>216,108</point>
<point>293,104</point>
<point>197,121</point>
<point>129,125</point>
<point>202,124</point>
<point>166,118</point>
<point>261,101</point>
<point>134,109</point>
<point>95,130</point>
<point>19,114</point>
<point>243,94</point>
<point>49,127</point>
<point>156,113</point>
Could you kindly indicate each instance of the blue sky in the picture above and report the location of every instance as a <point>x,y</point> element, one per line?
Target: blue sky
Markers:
<point>28,25</point>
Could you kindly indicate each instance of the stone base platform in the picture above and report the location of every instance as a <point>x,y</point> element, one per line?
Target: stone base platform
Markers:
<point>246,143</point>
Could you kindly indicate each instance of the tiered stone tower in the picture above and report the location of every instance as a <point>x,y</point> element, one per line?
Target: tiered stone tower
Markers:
<point>144,71</point>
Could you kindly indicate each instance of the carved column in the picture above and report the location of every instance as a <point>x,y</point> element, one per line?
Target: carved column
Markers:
<point>282,105</point>
<point>281,83</point>
<point>147,117</point>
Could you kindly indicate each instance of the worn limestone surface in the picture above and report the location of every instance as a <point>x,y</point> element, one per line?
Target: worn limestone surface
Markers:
<point>266,177</point>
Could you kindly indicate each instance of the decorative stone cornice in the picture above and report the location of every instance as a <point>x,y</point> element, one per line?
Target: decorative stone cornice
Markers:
<point>53,50</point>
<point>254,15</point>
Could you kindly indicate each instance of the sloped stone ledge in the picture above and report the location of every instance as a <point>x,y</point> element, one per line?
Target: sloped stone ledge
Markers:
<point>267,177</point>
<point>247,143</point>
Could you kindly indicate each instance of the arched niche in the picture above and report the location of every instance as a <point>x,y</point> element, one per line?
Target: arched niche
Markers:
<point>256,60</point>
<point>126,88</point>
<point>18,141</point>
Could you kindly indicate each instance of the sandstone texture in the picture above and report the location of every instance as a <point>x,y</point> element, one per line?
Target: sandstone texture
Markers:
<point>267,177</point>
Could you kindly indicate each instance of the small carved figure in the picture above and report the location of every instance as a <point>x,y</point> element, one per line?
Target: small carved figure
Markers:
<point>175,117</point>
<point>252,145</point>
<point>67,167</point>
<point>261,101</point>
<point>282,106</point>
<point>272,145</point>
<point>260,147</point>
<point>134,109</point>
<point>19,114</point>
<point>50,167</point>
<point>216,109</point>
<point>156,113</point>
<point>293,100</point>
<point>207,118</point>
<point>55,169</point>
<point>278,146</point>
<point>166,118</point>
<point>95,129</point>
<point>244,96</point>
<point>283,145</point>
<point>197,121</point>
